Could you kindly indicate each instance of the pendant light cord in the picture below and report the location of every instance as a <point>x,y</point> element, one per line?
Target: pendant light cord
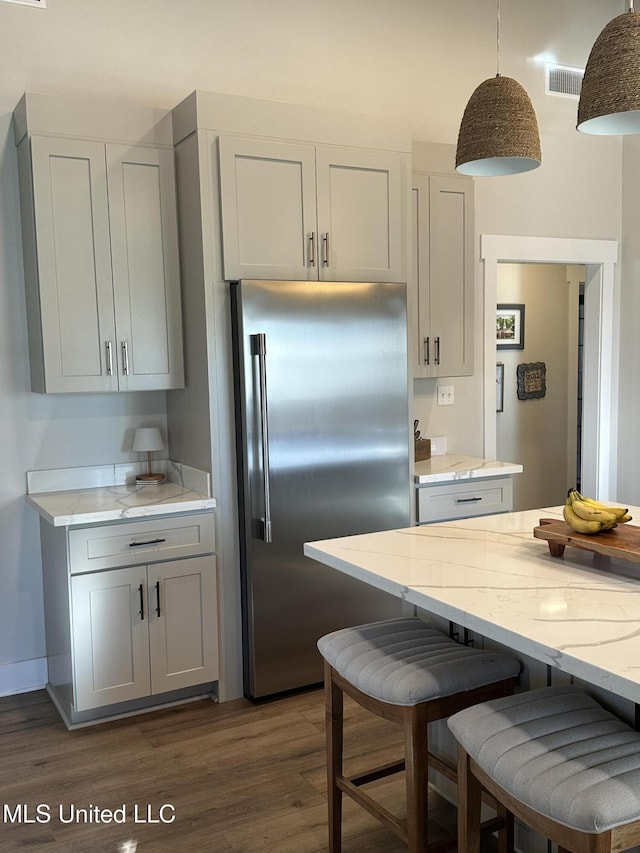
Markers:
<point>498,41</point>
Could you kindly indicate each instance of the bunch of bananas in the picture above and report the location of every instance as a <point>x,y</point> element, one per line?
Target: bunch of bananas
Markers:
<point>585,515</point>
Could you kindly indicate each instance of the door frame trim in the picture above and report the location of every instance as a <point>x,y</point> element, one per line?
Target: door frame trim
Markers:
<point>599,431</point>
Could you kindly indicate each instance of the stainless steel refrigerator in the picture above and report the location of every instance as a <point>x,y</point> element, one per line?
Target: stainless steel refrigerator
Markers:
<point>323,439</point>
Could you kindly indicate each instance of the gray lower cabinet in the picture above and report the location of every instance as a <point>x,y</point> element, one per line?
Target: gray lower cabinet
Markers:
<point>131,614</point>
<point>466,499</point>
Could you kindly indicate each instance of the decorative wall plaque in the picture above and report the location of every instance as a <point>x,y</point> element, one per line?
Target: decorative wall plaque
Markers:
<point>532,380</point>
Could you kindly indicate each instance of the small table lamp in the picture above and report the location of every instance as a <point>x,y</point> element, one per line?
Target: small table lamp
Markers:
<point>148,439</point>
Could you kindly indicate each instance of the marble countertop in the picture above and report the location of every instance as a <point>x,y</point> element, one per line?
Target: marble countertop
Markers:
<point>579,613</point>
<point>114,503</point>
<point>449,468</point>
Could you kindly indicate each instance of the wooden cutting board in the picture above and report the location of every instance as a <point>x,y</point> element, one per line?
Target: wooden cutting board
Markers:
<point>622,542</point>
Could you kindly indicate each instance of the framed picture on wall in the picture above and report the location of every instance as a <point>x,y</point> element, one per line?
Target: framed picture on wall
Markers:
<point>532,380</point>
<point>510,326</point>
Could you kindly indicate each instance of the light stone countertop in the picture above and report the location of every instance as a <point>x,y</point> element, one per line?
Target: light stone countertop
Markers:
<point>115,503</point>
<point>450,468</point>
<point>579,613</point>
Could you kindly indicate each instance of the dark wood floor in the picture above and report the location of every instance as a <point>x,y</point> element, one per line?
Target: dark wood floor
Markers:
<point>242,778</point>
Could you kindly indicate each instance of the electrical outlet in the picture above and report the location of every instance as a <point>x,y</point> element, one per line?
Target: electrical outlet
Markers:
<point>445,395</point>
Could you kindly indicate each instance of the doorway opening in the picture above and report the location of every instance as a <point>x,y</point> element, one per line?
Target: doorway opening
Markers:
<point>599,404</point>
<point>538,426</point>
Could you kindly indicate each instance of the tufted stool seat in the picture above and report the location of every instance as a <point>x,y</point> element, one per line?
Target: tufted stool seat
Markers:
<point>556,760</point>
<point>405,671</point>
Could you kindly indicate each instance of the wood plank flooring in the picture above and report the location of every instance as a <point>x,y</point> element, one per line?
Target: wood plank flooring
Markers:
<point>235,778</point>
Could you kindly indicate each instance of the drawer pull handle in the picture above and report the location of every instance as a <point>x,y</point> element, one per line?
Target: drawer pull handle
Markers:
<point>466,500</point>
<point>146,542</point>
<point>157,598</point>
<point>141,591</point>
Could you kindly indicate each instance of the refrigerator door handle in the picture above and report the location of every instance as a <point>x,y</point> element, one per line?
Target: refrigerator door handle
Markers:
<point>259,348</point>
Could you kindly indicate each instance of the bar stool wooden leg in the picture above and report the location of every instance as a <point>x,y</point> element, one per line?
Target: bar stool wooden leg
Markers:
<point>469,804</point>
<point>417,778</point>
<point>506,836</point>
<point>334,703</point>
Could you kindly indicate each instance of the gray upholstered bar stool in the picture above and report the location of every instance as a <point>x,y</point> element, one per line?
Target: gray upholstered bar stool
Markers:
<point>556,760</point>
<point>404,671</point>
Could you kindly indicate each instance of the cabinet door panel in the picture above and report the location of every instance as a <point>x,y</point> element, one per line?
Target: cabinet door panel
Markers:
<point>110,637</point>
<point>442,309</point>
<point>145,267</point>
<point>360,211</point>
<point>450,276</point>
<point>183,619</point>
<point>420,352</point>
<point>74,263</point>
<point>267,192</point>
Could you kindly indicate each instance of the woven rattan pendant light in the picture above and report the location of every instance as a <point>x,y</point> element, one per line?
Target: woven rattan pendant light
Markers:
<point>610,96</point>
<point>499,131</point>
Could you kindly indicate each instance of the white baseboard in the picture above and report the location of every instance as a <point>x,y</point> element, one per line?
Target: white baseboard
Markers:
<point>23,677</point>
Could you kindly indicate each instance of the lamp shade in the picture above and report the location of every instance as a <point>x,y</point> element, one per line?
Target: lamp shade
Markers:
<point>148,438</point>
<point>610,96</point>
<point>499,131</point>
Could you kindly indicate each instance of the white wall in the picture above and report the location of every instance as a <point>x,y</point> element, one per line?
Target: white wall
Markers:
<point>629,312</point>
<point>417,60</point>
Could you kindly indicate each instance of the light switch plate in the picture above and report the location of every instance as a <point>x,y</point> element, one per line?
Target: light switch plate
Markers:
<point>445,395</point>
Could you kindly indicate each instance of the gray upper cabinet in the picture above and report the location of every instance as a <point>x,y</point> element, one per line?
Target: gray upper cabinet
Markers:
<point>101,265</point>
<point>310,212</point>
<point>443,271</point>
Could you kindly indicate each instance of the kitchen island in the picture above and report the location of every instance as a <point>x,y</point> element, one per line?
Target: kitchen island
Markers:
<point>579,613</point>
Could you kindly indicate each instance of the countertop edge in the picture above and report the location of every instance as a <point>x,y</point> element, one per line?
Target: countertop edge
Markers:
<point>451,468</point>
<point>121,513</point>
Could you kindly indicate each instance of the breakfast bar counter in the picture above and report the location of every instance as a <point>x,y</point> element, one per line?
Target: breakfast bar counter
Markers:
<point>579,613</point>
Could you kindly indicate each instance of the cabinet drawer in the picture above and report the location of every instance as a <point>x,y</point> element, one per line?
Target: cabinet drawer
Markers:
<point>129,543</point>
<point>464,500</point>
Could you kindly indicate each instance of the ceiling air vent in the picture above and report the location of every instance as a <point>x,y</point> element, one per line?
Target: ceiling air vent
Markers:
<point>41,4</point>
<point>564,80</point>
